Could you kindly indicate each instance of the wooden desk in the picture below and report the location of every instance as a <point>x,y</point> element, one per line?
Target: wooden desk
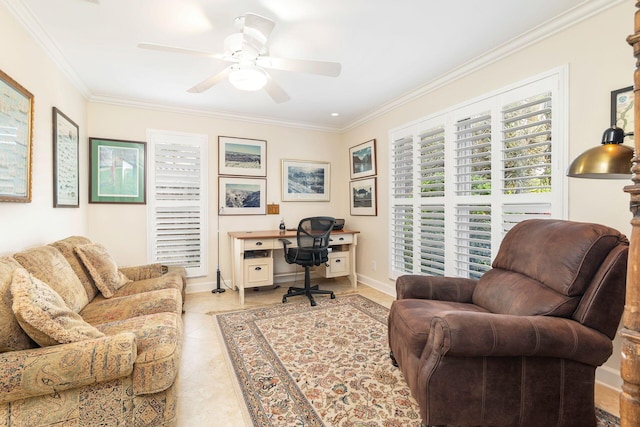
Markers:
<point>252,257</point>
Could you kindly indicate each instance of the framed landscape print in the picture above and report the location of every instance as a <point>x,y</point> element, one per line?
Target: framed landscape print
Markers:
<point>117,171</point>
<point>304,181</point>
<point>242,196</point>
<point>362,159</point>
<point>622,110</point>
<point>16,141</point>
<point>242,156</point>
<point>66,177</point>
<point>363,197</point>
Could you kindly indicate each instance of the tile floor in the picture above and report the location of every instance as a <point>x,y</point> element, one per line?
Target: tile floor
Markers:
<point>206,387</point>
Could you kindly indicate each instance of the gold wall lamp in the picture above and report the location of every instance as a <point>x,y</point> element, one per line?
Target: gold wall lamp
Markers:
<point>610,160</point>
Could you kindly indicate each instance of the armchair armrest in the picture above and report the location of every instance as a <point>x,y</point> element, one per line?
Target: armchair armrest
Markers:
<point>40,371</point>
<point>457,289</point>
<point>142,272</point>
<point>467,334</point>
<point>285,242</point>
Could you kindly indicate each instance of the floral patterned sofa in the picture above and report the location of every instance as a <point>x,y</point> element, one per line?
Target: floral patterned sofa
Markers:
<point>83,342</point>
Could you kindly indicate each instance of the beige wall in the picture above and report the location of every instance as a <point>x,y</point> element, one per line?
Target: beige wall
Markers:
<point>122,228</point>
<point>23,225</point>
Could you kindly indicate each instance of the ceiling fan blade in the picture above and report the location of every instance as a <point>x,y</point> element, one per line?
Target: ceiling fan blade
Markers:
<point>275,91</point>
<point>211,81</point>
<point>330,69</point>
<point>173,49</point>
<point>256,31</point>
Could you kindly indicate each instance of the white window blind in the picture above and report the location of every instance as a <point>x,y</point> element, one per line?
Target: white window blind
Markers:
<point>460,179</point>
<point>177,207</point>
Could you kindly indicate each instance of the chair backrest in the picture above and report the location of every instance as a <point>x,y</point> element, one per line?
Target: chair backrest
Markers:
<point>559,268</point>
<point>313,232</point>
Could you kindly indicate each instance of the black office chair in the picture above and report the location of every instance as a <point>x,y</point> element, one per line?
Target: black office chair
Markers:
<point>312,249</point>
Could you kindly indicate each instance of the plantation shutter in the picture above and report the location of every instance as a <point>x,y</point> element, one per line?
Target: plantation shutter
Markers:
<point>464,177</point>
<point>177,211</point>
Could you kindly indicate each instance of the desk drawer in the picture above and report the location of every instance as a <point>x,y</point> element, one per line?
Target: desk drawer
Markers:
<point>251,244</point>
<point>339,239</point>
<point>258,272</point>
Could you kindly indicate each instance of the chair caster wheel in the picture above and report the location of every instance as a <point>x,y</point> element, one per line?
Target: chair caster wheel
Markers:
<point>313,304</point>
<point>284,300</point>
<point>333,296</point>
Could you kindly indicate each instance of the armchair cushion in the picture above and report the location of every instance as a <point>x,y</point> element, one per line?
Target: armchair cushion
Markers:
<point>43,314</point>
<point>102,267</point>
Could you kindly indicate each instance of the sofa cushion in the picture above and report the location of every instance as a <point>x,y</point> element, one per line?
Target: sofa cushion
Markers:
<point>43,314</point>
<point>171,280</point>
<point>12,336</point>
<point>66,248</point>
<point>103,310</point>
<point>49,265</point>
<point>102,267</point>
<point>159,341</point>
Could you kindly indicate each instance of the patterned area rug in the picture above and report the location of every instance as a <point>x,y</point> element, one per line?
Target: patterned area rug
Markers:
<point>327,365</point>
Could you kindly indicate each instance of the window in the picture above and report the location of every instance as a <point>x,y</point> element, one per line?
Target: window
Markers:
<point>177,205</point>
<point>460,179</point>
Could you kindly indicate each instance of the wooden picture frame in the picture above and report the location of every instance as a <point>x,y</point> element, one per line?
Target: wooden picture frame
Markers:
<point>242,156</point>
<point>117,171</point>
<point>622,109</point>
<point>305,181</point>
<point>66,176</point>
<point>363,197</point>
<point>362,160</point>
<point>242,196</point>
<point>16,141</point>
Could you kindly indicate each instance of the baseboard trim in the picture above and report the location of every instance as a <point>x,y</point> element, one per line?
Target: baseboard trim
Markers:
<point>609,377</point>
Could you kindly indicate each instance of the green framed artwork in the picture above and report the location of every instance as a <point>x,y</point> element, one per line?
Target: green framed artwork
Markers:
<point>117,171</point>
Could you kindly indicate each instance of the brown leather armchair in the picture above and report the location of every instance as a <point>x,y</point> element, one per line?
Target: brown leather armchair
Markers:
<point>519,346</point>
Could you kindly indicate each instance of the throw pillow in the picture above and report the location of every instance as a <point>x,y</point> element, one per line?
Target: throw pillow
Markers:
<point>103,269</point>
<point>12,336</point>
<point>43,314</point>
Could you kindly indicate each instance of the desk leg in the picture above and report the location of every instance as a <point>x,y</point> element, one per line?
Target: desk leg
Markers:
<point>237,257</point>
<point>352,255</point>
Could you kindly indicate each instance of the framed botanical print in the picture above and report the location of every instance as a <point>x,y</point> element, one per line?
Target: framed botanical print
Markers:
<point>622,110</point>
<point>66,177</point>
<point>242,196</point>
<point>16,141</point>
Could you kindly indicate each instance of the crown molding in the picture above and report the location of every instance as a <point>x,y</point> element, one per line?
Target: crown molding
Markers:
<point>560,23</point>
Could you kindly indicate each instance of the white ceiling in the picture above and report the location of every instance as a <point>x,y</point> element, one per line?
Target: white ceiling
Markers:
<point>389,49</point>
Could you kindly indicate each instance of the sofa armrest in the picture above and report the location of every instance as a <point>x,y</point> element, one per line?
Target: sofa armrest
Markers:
<point>472,334</point>
<point>47,370</point>
<point>142,272</point>
<point>455,289</point>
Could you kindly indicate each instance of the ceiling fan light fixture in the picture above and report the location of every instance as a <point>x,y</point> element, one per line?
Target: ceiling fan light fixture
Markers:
<point>248,77</point>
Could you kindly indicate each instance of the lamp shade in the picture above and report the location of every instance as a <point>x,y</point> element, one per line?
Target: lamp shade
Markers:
<point>609,160</point>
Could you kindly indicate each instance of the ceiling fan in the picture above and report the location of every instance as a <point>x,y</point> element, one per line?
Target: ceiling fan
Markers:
<point>248,51</point>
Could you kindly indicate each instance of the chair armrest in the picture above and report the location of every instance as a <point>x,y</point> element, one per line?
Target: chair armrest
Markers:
<point>142,272</point>
<point>285,242</point>
<point>467,334</point>
<point>47,370</point>
<point>455,289</point>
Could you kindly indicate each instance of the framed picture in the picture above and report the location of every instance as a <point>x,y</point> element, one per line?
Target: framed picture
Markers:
<point>364,197</point>
<point>66,177</point>
<point>362,159</point>
<point>242,196</point>
<point>242,156</point>
<point>622,109</point>
<point>117,171</point>
<point>305,181</point>
<point>16,141</point>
